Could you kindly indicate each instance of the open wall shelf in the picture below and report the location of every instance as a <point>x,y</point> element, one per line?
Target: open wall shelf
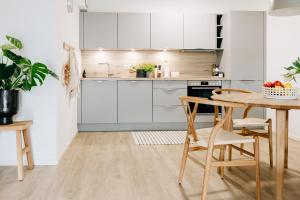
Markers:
<point>219,28</point>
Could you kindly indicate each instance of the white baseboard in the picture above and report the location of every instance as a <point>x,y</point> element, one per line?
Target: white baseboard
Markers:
<point>294,137</point>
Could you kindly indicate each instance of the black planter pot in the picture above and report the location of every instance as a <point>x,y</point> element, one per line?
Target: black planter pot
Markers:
<point>9,102</point>
<point>141,73</point>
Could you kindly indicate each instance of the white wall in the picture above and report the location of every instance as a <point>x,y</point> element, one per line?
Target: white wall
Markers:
<point>42,25</point>
<point>68,31</point>
<point>210,6</point>
<point>283,47</point>
<point>35,26</point>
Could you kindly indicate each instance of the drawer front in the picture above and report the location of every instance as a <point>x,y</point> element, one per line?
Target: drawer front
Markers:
<point>168,114</point>
<point>169,97</point>
<point>170,84</point>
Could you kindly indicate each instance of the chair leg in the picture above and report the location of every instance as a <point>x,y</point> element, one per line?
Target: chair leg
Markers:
<point>270,143</point>
<point>256,154</point>
<point>206,172</point>
<point>19,155</point>
<point>222,158</point>
<point>28,145</point>
<point>229,154</point>
<point>242,147</point>
<point>183,160</point>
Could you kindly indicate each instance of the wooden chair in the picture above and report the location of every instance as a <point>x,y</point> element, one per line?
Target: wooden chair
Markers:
<point>21,127</point>
<point>249,126</point>
<point>220,136</point>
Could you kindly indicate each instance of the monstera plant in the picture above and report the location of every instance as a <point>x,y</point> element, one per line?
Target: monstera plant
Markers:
<point>17,73</point>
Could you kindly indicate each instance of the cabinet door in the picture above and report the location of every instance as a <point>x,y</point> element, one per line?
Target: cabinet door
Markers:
<point>166,31</point>
<point>99,101</point>
<point>247,45</point>
<point>81,46</point>
<point>134,101</point>
<point>134,30</point>
<point>100,30</point>
<point>254,86</point>
<point>200,31</point>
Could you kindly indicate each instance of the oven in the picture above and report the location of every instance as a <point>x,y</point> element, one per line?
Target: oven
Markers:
<point>203,89</point>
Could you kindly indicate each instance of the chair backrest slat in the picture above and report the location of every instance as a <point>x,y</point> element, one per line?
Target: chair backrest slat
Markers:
<point>192,112</point>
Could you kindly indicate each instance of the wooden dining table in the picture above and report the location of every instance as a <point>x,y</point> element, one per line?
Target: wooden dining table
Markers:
<point>282,108</point>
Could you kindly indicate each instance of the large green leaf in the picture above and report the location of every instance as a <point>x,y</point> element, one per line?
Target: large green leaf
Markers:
<point>7,72</point>
<point>35,76</point>
<point>14,41</point>
<point>12,56</point>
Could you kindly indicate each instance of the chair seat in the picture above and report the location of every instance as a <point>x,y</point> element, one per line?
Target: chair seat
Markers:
<point>249,122</point>
<point>222,138</point>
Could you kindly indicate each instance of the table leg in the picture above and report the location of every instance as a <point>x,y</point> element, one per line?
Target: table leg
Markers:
<point>286,141</point>
<point>19,155</point>
<point>27,143</point>
<point>281,123</point>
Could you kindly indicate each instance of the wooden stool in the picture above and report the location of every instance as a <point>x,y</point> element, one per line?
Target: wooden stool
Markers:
<point>20,127</point>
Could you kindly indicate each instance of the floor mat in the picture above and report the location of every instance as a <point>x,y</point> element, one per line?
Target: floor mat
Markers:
<point>158,137</point>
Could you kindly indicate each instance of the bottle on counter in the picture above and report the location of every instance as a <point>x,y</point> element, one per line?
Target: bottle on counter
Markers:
<point>159,72</point>
<point>155,71</point>
<point>215,70</point>
<point>166,70</point>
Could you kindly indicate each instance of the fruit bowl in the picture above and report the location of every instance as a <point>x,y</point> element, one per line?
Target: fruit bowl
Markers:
<point>280,93</point>
<point>279,90</point>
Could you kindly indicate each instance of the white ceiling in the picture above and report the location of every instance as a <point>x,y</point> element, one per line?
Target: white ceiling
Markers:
<point>210,6</point>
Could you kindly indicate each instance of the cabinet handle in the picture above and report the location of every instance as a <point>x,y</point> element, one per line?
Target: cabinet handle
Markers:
<point>170,107</point>
<point>133,81</point>
<point>99,81</point>
<point>171,90</point>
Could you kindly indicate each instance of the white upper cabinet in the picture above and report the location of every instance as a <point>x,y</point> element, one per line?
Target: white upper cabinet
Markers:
<point>200,31</point>
<point>247,45</point>
<point>100,30</point>
<point>166,31</point>
<point>134,30</point>
<point>81,30</point>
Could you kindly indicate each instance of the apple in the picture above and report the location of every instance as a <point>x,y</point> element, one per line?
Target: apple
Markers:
<point>268,84</point>
<point>277,83</point>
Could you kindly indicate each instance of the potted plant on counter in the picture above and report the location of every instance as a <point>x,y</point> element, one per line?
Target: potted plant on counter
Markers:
<point>143,70</point>
<point>17,73</point>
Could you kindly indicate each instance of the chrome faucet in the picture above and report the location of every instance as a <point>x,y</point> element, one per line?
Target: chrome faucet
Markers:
<point>108,69</point>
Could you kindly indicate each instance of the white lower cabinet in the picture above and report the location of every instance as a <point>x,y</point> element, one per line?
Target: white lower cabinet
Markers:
<point>99,101</point>
<point>134,101</point>
<point>166,104</point>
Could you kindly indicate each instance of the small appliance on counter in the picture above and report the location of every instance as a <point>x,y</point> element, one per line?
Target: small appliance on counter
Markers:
<point>216,71</point>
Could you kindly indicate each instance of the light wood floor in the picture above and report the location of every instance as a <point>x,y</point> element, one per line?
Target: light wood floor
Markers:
<point>108,166</point>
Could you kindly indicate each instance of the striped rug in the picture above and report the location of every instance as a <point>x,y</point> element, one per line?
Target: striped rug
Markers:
<point>158,137</point>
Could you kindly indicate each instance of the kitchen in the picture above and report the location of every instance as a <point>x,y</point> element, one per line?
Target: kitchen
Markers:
<point>149,99</point>
<point>186,44</point>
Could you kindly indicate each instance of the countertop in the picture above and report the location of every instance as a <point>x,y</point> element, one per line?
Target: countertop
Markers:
<point>208,78</point>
